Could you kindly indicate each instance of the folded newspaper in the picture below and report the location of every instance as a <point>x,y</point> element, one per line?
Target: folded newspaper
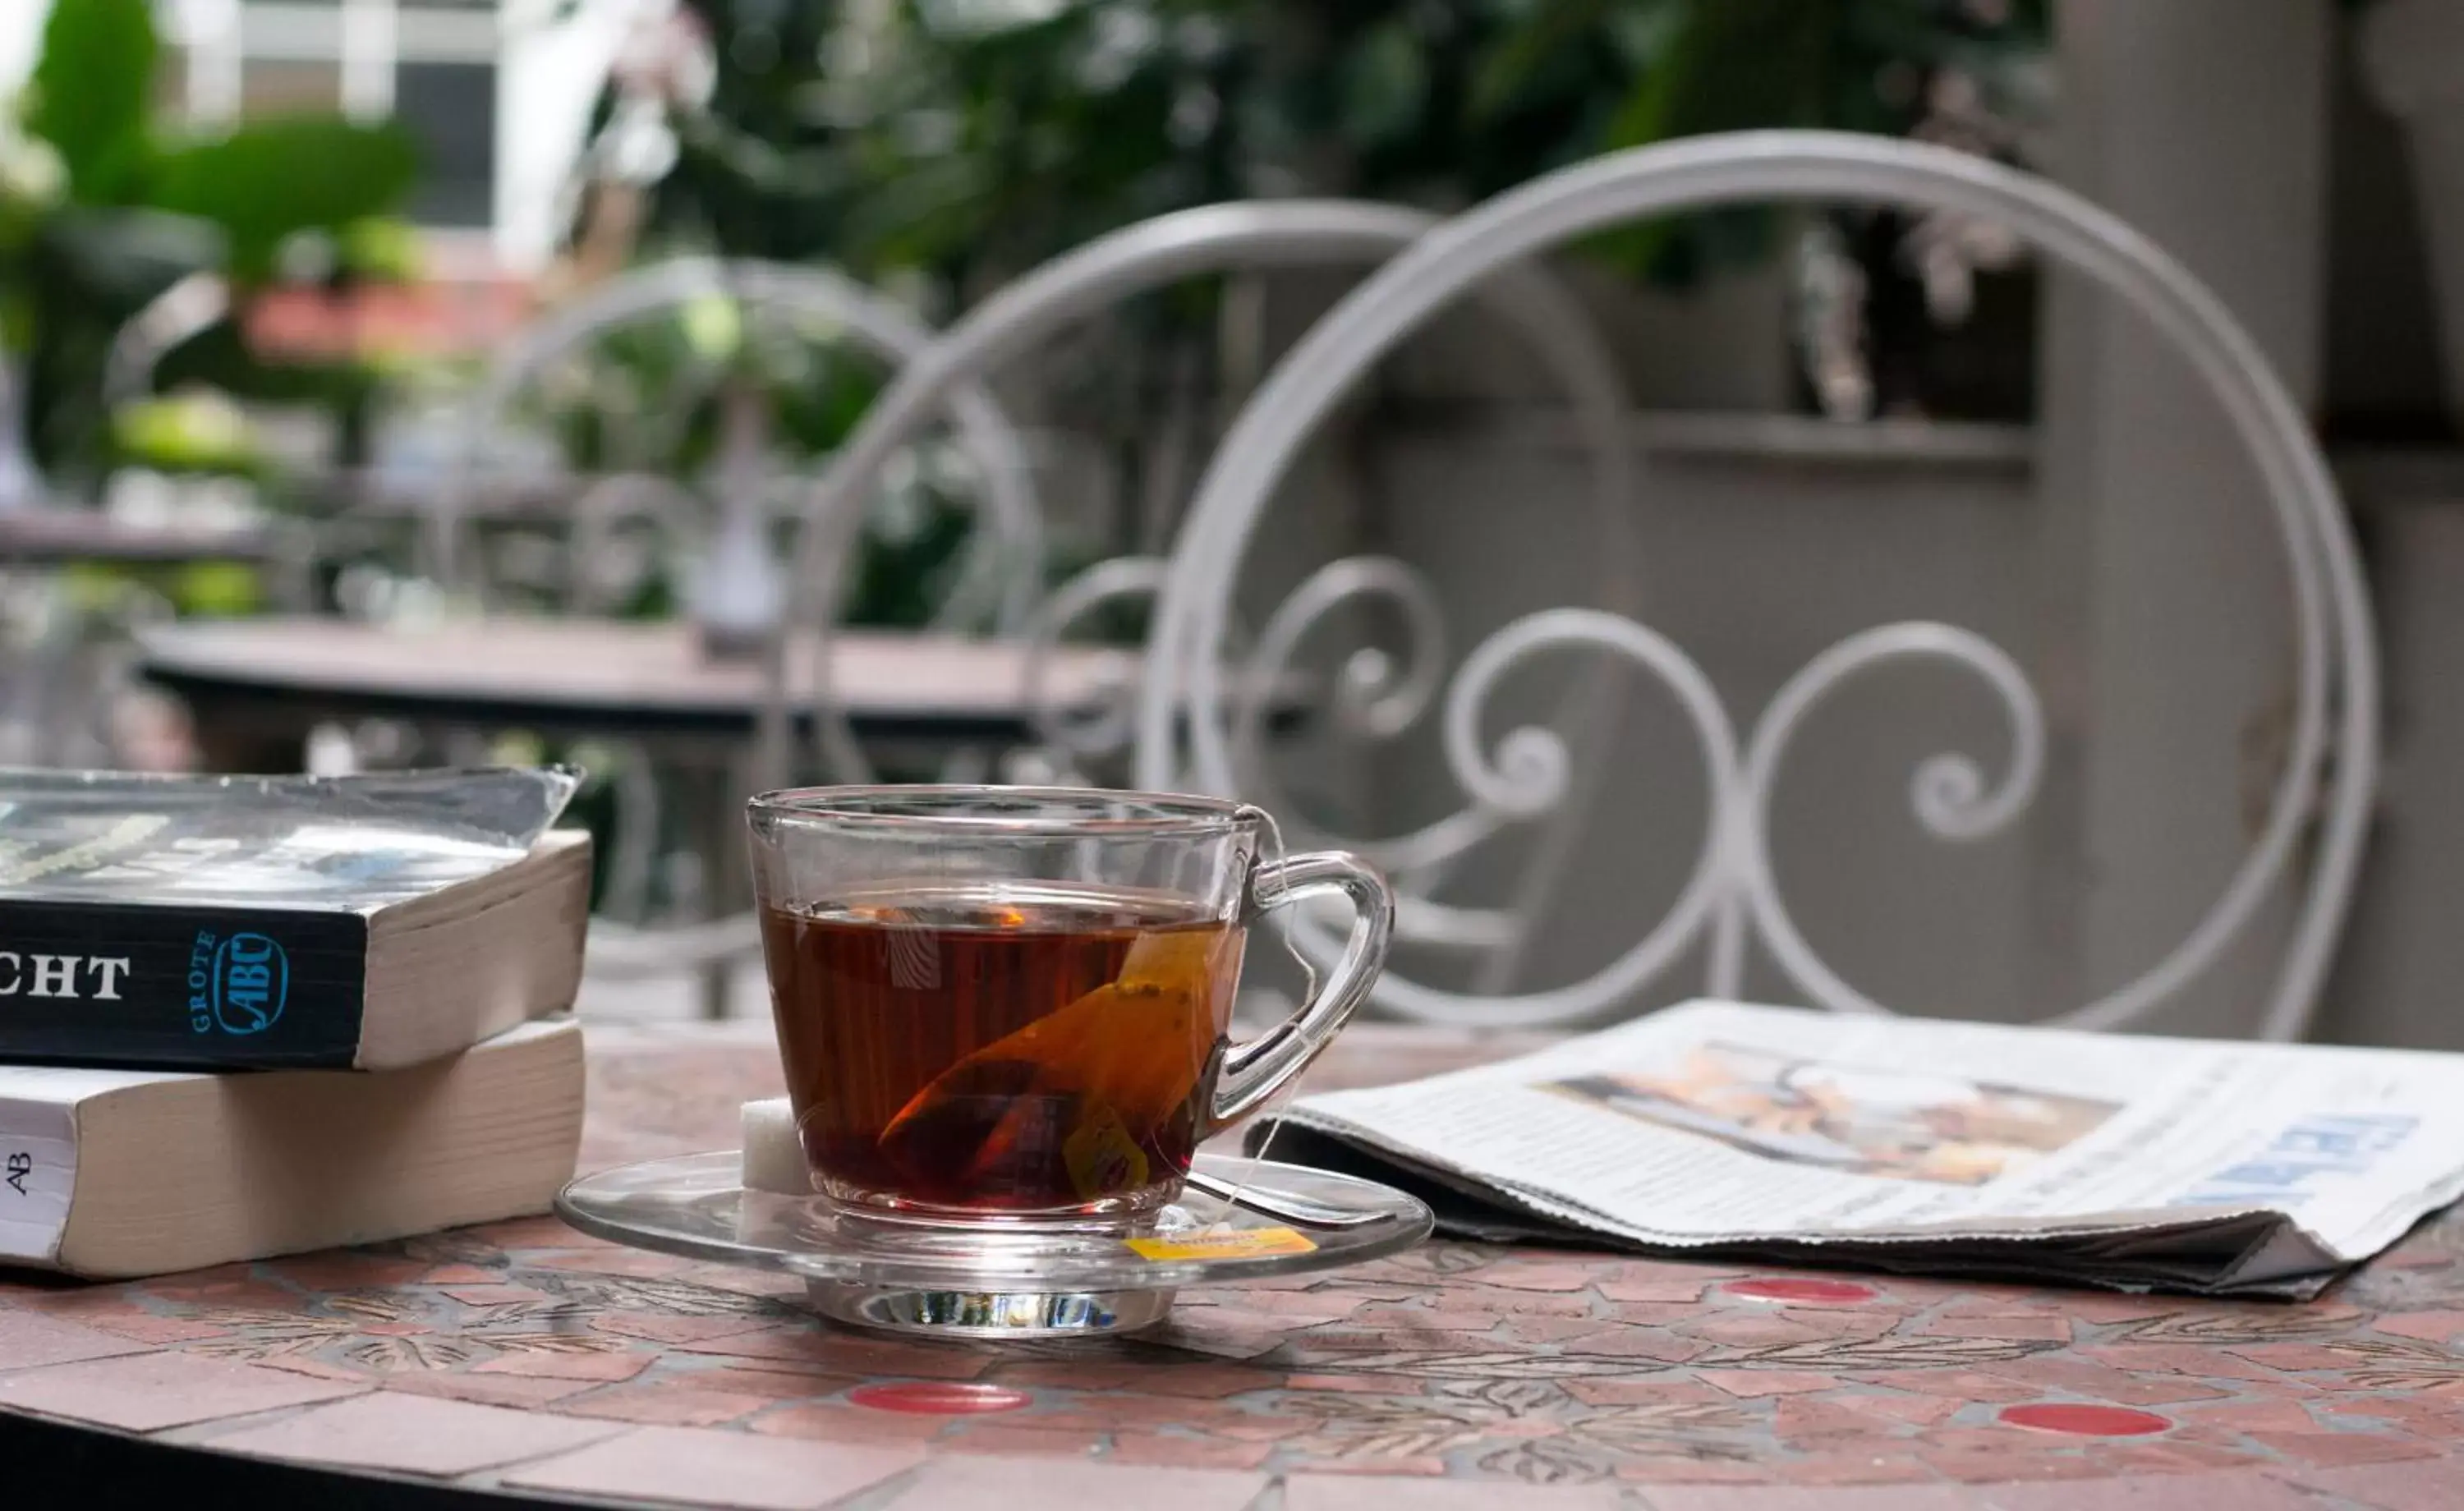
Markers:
<point>1923,1147</point>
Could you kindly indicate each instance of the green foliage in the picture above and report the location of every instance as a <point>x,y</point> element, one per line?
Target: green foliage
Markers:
<point>380,248</point>
<point>758,160</point>
<point>910,561</point>
<point>90,93</point>
<point>978,138</point>
<point>272,180</point>
<point>186,434</point>
<point>217,589</point>
<point>140,212</point>
<point>969,141</point>
<point>81,275</point>
<point>219,357</point>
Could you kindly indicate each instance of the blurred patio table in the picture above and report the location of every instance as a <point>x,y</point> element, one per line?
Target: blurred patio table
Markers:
<point>256,689</point>
<point>410,494</point>
<point>252,684</point>
<point>524,1360</point>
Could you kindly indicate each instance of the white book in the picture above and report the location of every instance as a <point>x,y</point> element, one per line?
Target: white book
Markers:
<point>108,1173</point>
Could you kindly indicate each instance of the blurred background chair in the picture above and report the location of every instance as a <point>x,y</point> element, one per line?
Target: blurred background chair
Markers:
<point>1730,910</point>
<point>717,368</point>
<point>682,397</point>
<point>1372,694</point>
<point>85,576</point>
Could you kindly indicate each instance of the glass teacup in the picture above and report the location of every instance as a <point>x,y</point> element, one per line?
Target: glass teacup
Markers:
<point>1011,1007</point>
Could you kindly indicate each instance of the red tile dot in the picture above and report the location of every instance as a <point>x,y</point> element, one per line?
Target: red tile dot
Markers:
<point>2085,1421</point>
<point>1830,1293</point>
<point>939,1398</point>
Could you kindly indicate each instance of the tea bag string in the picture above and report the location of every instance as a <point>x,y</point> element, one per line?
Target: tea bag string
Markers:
<point>1277,853</point>
<point>1272,849</point>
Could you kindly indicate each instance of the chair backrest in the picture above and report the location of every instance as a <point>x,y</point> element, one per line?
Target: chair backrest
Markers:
<point>636,510</point>
<point>1376,696</point>
<point>771,300</point>
<point>1732,900</point>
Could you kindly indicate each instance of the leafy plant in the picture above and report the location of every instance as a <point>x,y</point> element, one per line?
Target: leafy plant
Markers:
<point>972,139</point>
<point>956,143</point>
<point>104,212</point>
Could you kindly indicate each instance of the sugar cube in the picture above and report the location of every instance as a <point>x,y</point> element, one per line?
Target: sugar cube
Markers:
<point>773,1158</point>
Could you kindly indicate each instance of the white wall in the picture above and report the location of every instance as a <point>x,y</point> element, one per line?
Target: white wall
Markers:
<point>2395,978</point>
<point>2163,631</point>
<point>21,35</point>
<point>548,77</point>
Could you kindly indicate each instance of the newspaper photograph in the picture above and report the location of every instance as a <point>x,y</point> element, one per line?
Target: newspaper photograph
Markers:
<point>1924,1146</point>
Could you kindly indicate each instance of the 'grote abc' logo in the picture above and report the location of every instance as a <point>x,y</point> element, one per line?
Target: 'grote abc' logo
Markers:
<point>252,980</point>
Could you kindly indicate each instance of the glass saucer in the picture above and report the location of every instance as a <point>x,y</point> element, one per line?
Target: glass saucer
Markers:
<point>966,1283</point>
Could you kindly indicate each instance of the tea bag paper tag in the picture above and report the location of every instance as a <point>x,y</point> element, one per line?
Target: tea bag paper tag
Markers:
<point>1247,1243</point>
<point>1103,1158</point>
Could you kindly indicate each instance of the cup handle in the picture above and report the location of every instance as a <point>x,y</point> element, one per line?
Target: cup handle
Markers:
<point>1255,1071</point>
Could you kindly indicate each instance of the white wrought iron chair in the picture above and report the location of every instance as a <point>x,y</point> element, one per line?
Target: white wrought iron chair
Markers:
<point>1732,902</point>
<point>1374,698</point>
<point>827,306</point>
<point>995,585</point>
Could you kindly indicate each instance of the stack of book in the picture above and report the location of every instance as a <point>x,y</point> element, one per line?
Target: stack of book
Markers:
<point>242,1017</point>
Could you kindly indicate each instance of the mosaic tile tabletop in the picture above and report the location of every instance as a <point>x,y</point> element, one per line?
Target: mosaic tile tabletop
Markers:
<point>526,1357</point>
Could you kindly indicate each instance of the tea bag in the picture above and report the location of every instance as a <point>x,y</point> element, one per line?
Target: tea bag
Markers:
<point>1091,1085</point>
<point>1094,1081</point>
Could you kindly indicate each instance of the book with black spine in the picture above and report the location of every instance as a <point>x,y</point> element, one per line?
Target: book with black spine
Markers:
<point>226,923</point>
